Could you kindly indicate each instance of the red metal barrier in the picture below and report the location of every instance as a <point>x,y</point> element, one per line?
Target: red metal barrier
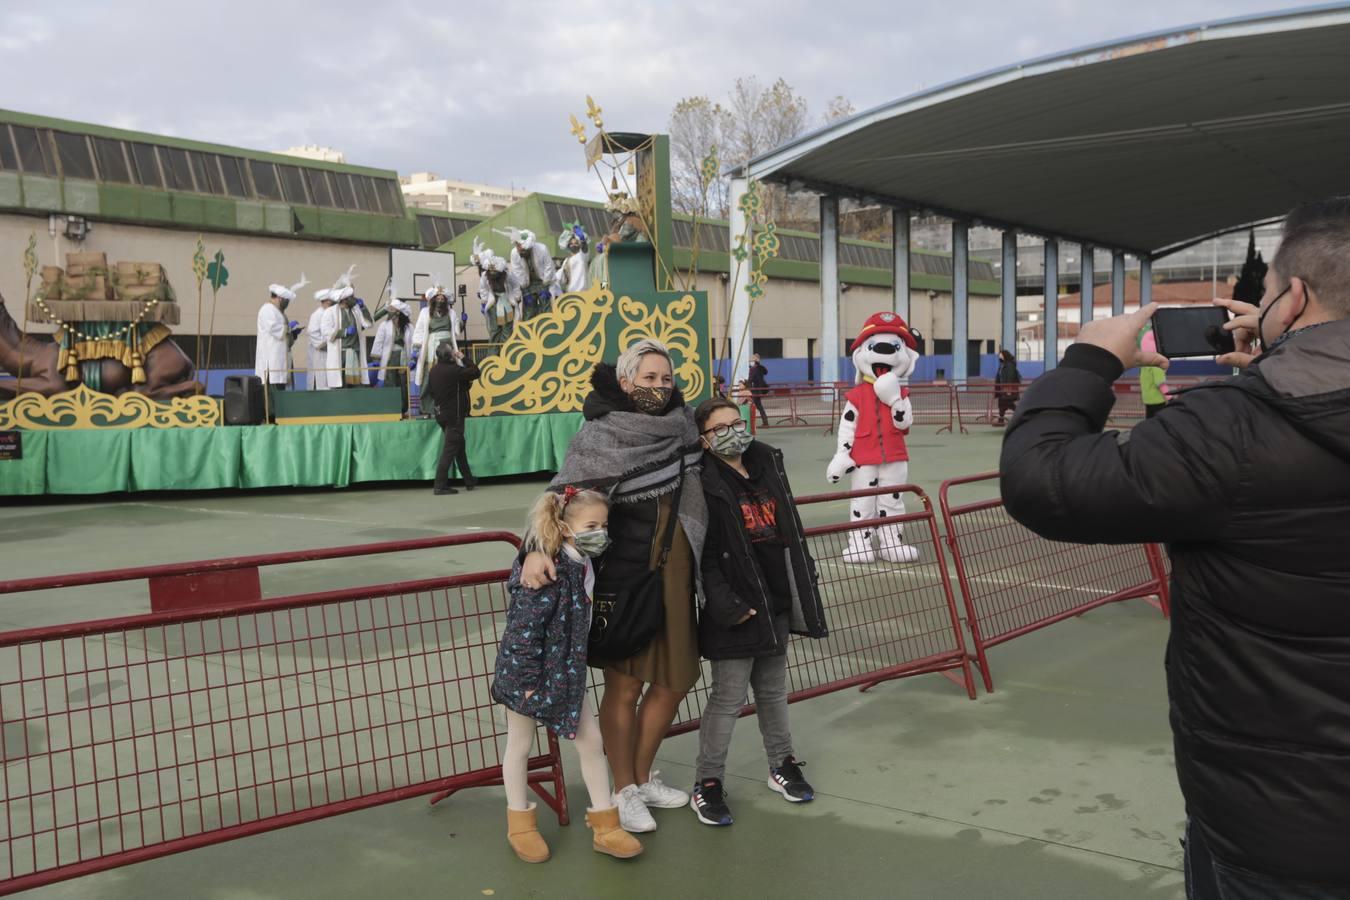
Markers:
<point>977,403</point>
<point>799,407</point>
<point>1015,582</point>
<point>934,404</point>
<point>132,738</point>
<point>229,581</point>
<point>886,620</point>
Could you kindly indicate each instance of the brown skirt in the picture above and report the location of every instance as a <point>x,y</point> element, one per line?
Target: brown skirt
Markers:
<point>671,659</point>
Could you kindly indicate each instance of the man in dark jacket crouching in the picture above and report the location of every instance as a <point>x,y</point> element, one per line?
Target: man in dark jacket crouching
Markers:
<point>1248,482</point>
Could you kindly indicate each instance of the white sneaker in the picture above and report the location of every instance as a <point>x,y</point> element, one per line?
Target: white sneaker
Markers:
<point>662,796</point>
<point>633,814</point>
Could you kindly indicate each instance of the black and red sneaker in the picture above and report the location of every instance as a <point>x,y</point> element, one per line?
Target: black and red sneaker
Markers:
<point>787,779</point>
<point>708,801</point>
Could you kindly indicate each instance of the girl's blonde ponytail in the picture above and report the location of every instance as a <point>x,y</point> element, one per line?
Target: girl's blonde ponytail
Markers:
<point>544,525</point>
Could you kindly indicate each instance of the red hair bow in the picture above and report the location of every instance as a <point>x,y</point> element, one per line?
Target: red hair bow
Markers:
<point>568,493</point>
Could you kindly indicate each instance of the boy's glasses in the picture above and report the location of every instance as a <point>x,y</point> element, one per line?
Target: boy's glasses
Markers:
<point>724,430</point>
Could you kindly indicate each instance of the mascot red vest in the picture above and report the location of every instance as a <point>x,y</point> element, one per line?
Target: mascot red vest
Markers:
<point>871,448</point>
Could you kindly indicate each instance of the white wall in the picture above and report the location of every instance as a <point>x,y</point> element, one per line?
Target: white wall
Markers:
<point>253,264</point>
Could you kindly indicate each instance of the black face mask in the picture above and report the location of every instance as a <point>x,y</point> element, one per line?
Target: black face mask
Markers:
<point>1261,323</point>
<point>651,400</point>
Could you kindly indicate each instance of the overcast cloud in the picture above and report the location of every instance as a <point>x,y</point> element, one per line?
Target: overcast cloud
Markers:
<point>483,91</point>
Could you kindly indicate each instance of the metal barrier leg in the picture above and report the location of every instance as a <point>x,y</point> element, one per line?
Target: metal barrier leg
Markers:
<point>1155,562</point>
<point>541,770</point>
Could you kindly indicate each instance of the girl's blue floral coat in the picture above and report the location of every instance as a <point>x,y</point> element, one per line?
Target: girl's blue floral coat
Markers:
<point>543,648</point>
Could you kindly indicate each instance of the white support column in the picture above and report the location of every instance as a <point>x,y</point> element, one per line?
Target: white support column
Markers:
<point>900,262</point>
<point>740,298</point>
<point>1117,282</point>
<point>1087,283</point>
<point>830,348</point>
<point>960,300</point>
<point>1051,303</point>
<point>1145,281</point>
<point>1008,333</point>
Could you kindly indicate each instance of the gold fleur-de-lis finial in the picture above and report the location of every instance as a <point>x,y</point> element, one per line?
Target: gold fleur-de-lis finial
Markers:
<point>593,112</point>
<point>578,129</point>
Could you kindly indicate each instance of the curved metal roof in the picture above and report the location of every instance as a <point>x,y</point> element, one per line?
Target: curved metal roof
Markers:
<point>1139,144</point>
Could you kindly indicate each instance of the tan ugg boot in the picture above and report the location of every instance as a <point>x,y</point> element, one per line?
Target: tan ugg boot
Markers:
<point>608,837</point>
<point>522,832</point>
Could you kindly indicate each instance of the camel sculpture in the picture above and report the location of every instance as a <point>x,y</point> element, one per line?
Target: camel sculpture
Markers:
<point>168,371</point>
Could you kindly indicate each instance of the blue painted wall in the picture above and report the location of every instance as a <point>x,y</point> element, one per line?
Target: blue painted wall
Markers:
<point>782,371</point>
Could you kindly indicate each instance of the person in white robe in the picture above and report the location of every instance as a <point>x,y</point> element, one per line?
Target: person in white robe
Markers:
<point>533,268</point>
<point>437,323</point>
<point>574,272</point>
<point>318,344</point>
<point>344,325</point>
<point>271,360</point>
<point>499,295</point>
<point>393,345</point>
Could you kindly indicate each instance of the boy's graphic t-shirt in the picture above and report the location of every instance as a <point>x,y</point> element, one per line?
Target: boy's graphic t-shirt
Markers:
<point>759,518</point>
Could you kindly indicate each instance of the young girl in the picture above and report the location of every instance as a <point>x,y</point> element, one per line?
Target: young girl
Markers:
<point>541,669</point>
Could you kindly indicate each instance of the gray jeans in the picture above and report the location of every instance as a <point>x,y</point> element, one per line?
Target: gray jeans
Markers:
<point>730,680</point>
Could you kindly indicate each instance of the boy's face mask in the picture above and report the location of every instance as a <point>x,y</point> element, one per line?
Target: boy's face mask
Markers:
<point>732,444</point>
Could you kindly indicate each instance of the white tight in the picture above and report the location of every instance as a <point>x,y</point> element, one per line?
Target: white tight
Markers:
<point>590,748</point>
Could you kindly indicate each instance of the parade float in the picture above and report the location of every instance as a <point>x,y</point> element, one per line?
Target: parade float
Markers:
<point>110,403</point>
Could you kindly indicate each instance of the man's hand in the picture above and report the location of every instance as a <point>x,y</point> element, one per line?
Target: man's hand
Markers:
<point>1120,336</point>
<point>1244,326</point>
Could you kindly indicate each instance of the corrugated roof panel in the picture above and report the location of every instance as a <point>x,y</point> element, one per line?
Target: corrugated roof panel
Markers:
<point>1138,145</point>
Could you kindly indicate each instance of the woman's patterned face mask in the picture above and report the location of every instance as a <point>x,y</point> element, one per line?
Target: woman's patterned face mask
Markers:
<point>651,400</point>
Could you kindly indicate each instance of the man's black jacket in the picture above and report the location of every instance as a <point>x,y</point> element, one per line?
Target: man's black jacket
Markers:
<point>1248,482</point>
<point>448,385</point>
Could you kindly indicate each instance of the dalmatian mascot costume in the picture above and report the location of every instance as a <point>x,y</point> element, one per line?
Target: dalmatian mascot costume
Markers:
<point>871,448</point>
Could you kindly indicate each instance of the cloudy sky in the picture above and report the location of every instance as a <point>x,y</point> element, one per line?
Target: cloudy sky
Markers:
<point>482,91</point>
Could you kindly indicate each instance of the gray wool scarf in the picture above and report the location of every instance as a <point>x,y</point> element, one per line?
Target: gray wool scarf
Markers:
<point>634,456</point>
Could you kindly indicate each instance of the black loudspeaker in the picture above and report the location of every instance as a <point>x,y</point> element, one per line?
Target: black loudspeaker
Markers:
<point>243,400</point>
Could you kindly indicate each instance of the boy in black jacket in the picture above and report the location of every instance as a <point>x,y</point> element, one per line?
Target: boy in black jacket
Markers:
<point>759,584</point>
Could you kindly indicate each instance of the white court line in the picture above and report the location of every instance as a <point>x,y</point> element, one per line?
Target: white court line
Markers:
<point>287,516</point>
<point>1041,584</point>
<point>881,568</point>
<point>251,513</point>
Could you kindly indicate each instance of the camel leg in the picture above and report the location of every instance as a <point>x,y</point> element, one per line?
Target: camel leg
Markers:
<point>178,389</point>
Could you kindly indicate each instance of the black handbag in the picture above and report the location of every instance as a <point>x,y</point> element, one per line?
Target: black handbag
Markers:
<point>630,604</point>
